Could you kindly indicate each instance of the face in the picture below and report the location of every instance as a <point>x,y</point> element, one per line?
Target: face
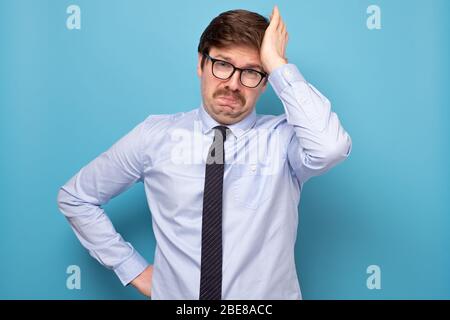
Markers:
<point>228,101</point>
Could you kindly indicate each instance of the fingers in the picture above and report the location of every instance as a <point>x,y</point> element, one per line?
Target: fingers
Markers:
<point>283,37</point>
<point>281,26</point>
<point>274,18</point>
<point>278,31</point>
<point>284,45</point>
<point>276,22</point>
<point>279,19</point>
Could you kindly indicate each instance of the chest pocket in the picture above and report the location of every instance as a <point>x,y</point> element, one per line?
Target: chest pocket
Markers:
<point>253,185</point>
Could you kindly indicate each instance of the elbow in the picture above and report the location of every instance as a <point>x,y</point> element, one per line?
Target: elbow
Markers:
<point>61,199</point>
<point>71,201</point>
<point>338,150</point>
<point>64,201</point>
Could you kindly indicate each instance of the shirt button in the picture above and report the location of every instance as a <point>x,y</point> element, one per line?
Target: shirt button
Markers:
<point>253,168</point>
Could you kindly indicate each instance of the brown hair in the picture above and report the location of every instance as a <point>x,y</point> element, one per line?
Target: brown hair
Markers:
<point>235,27</point>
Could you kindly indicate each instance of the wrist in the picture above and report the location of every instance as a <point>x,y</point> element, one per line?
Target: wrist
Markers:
<point>142,276</point>
<point>275,64</point>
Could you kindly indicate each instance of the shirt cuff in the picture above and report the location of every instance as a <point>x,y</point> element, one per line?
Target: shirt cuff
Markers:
<point>131,268</point>
<point>283,76</point>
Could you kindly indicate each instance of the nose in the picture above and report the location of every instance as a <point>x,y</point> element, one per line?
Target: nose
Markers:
<point>234,83</point>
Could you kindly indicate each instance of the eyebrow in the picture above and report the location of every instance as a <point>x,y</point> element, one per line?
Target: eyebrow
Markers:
<point>247,66</point>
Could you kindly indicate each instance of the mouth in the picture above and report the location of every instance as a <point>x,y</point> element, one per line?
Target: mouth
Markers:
<point>228,101</point>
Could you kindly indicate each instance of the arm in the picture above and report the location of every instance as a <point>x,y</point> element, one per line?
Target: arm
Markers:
<point>81,198</point>
<point>319,142</point>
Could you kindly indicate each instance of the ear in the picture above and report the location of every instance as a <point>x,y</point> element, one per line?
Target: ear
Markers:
<point>199,65</point>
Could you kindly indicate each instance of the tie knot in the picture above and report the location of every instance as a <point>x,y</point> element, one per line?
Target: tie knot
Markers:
<point>223,130</point>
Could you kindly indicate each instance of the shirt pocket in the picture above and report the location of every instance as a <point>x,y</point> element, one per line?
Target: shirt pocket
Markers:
<point>252,186</point>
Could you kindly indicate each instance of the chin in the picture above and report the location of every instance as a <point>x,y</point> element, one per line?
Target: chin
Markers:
<point>231,118</point>
<point>226,120</point>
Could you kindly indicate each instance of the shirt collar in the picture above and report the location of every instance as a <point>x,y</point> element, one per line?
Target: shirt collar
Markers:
<point>237,129</point>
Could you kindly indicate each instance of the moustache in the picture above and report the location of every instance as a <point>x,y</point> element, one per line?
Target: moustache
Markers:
<point>228,93</point>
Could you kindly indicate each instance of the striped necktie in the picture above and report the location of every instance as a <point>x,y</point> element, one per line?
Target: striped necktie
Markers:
<point>211,259</point>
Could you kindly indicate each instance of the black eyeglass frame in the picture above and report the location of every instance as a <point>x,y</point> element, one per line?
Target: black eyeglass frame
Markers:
<point>213,60</point>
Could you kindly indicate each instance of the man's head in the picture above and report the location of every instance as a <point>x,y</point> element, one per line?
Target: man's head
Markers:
<point>234,37</point>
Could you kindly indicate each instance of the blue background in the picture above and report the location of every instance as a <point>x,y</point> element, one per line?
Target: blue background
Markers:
<point>67,95</point>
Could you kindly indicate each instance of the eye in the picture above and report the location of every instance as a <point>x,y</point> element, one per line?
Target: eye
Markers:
<point>223,64</point>
<point>252,73</point>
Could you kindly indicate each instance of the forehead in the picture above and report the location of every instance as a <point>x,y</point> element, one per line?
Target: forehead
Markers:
<point>238,55</point>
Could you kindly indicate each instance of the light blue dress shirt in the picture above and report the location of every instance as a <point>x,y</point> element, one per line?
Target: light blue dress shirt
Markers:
<point>268,159</point>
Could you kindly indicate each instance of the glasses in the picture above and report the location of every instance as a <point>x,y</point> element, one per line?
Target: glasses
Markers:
<point>224,70</point>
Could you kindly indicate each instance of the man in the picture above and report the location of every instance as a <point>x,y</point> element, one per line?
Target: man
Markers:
<point>223,184</point>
